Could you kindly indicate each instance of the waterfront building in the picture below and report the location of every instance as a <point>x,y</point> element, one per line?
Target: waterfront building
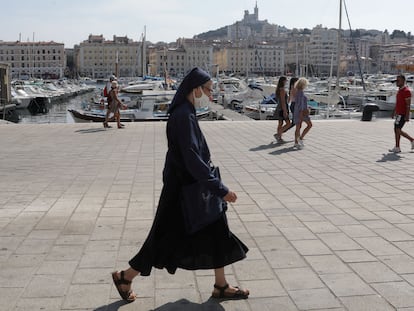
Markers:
<point>323,50</point>
<point>259,59</point>
<point>177,60</point>
<point>296,52</point>
<point>34,59</point>
<point>99,58</point>
<point>406,65</point>
<point>393,54</point>
<point>352,50</point>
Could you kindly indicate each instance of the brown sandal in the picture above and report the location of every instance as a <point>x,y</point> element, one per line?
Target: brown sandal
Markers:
<point>127,295</point>
<point>238,294</point>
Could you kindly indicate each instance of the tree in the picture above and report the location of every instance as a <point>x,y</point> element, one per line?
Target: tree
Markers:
<point>398,34</point>
<point>306,31</point>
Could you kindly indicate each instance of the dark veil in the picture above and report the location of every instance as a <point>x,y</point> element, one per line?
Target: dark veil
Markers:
<point>195,78</point>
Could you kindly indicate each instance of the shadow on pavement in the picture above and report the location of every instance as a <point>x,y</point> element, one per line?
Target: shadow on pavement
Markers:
<point>284,150</point>
<point>185,305</point>
<point>179,305</point>
<point>272,144</point>
<point>264,147</point>
<point>92,130</point>
<point>389,157</point>
<point>112,307</point>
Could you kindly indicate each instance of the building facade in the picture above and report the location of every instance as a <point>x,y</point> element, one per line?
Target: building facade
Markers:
<point>323,51</point>
<point>99,58</point>
<point>297,55</point>
<point>259,59</point>
<point>393,54</point>
<point>45,60</point>
<point>252,46</point>
<point>178,60</point>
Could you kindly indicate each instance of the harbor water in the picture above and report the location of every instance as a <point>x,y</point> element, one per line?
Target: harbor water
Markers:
<point>58,110</point>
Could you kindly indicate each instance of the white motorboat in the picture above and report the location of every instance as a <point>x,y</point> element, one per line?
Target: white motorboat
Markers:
<point>140,86</point>
<point>267,87</point>
<point>328,98</point>
<point>338,113</point>
<point>149,109</point>
<point>260,111</point>
<point>235,93</point>
<point>20,98</point>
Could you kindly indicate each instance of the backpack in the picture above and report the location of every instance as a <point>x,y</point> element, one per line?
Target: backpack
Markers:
<point>105,92</point>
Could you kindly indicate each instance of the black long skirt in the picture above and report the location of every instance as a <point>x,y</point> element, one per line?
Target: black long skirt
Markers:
<point>168,246</point>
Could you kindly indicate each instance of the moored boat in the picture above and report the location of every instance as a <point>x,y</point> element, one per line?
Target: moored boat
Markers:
<point>148,111</point>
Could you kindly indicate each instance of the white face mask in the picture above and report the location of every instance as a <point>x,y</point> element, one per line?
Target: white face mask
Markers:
<point>201,101</point>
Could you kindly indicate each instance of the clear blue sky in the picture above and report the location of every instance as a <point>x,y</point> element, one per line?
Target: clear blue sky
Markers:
<point>71,21</point>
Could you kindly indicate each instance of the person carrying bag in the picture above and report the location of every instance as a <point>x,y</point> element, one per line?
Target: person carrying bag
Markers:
<point>190,229</point>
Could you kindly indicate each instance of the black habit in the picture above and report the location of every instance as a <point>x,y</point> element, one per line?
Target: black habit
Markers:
<point>187,160</point>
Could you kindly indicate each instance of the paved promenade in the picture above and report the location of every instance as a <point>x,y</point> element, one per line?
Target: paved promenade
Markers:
<point>329,227</point>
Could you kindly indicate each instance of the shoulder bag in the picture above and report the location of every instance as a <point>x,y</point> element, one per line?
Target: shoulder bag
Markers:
<point>200,206</point>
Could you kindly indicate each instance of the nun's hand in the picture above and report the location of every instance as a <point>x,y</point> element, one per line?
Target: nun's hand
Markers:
<point>230,197</point>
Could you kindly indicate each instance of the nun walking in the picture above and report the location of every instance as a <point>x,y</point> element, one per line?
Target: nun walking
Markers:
<point>168,244</point>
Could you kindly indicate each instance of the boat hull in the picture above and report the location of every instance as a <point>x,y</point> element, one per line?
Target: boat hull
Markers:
<point>88,116</point>
<point>81,116</point>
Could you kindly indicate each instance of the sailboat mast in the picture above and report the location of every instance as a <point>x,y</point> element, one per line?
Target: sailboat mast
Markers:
<point>143,53</point>
<point>116,65</point>
<point>338,58</point>
<point>33,57</point>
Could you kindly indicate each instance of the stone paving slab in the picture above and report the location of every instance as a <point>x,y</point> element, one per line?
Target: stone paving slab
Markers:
<point>329,227</point>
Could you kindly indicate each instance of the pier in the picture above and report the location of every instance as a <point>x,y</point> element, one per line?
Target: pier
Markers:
<point>329,227</point>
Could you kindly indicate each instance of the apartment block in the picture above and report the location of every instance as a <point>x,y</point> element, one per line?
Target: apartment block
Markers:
<point>99,58</point>
<point>323,49</point>
<point>297,54</point>
<point>179,59</point>
<point>261,59</point>
<point>34,59</point>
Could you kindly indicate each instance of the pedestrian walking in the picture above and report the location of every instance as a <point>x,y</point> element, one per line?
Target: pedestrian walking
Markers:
<point>114,106</point>
<point>168,244</point>
<point>291,101</point>
<point>401,114</point>
<point>301,113</point>
<point>282,109</point>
